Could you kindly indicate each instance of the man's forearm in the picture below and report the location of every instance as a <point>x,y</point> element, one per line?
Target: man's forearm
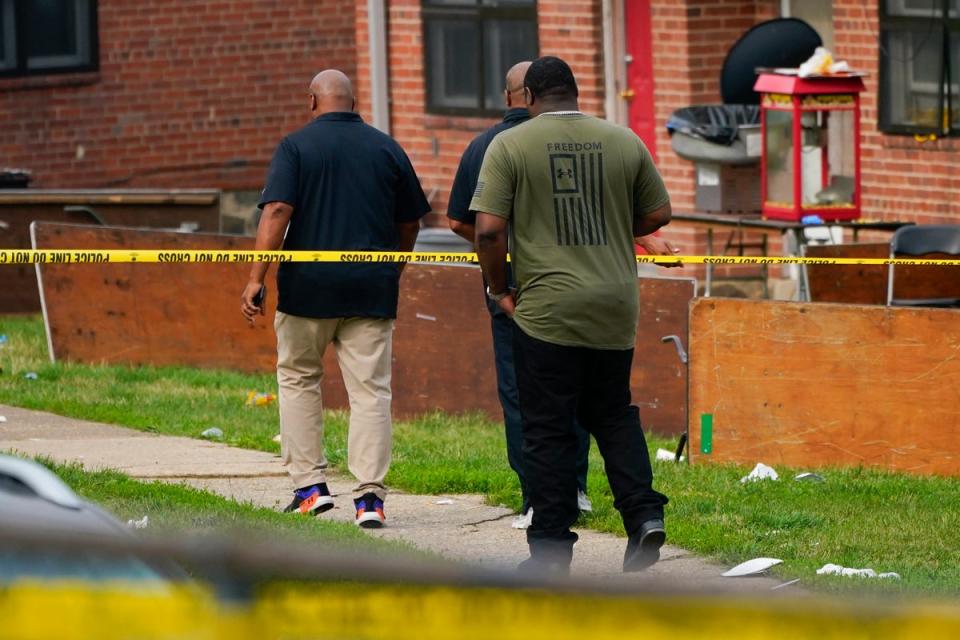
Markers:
<point>407,233</point>
<point>492,253</point>
<point>273,226</point>
<point>650,222</point>
<point>465,230</point>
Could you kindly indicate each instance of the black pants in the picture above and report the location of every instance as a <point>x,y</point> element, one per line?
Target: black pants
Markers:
<point>558,384</point>
<point>502,327</point>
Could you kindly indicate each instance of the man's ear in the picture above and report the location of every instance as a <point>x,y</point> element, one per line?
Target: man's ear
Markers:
<point>528,98</point>
<point>353,105</point>
<point>506,97</point>
<point>313,102</point>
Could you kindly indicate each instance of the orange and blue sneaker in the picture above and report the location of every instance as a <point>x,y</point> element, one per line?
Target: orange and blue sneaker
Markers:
<point>369,511</point>
<point>311,500</point>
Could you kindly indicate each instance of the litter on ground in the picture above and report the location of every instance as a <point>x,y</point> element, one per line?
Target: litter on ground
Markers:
<point>667,456</point>
<point>837,570</point>
<point>760,472</point>
<point>256,399</point>
<point>753,567</point>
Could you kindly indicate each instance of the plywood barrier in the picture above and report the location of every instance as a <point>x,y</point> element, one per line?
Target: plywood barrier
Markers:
<point>823,384</point>
<point>867,284</point>
<point>188,314</point>
<point>659,378</point>
<point>134,207</point>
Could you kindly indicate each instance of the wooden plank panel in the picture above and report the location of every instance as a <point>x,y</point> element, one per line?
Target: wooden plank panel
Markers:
<point>160,314</point>
<point>165,314</point>
<point>135,209</point>
<point>867,284</point>
<point>659,378</point>
<point>819,384</point>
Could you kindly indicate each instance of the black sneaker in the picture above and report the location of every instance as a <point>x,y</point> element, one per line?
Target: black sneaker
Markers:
<point>643,548</point>
<point>311,500</point>
<point>369,511</point>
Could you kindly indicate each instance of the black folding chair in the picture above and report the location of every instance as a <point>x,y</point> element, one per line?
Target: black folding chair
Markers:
<point>922,240</point>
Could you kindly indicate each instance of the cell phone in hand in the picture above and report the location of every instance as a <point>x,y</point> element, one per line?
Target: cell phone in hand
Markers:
<point>259,298</point>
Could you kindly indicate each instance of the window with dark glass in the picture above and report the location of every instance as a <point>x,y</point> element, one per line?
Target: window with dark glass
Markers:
<point>920,66</point>
<point>47,36</point>
<point>468,47</point>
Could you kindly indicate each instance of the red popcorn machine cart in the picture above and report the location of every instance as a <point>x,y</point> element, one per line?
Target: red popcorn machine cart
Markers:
<point>810,158</point>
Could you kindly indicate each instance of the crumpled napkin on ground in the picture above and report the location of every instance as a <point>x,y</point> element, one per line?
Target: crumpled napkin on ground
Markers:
<point>837,570</point>
<point>760,472</point>
<point>667,456</point>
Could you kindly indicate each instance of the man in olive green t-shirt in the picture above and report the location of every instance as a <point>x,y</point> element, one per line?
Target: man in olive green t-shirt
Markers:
<point>577,192</point>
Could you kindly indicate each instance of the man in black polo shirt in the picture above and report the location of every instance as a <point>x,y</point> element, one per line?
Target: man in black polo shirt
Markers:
<point>462,221</point>
<point>336,184</point>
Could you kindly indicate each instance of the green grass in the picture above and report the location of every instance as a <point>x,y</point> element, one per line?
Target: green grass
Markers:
<point>184,511</point>
<point>858,517</point>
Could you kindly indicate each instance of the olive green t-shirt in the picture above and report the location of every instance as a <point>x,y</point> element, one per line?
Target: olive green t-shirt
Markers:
<point>570,185</point>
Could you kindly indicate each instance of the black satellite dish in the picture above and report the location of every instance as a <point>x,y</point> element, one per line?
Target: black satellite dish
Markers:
<point>784,42</point>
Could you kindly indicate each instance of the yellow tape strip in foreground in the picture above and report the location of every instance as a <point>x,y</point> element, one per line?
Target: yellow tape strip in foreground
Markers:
<point>90,256</point>
<point>371,612</point>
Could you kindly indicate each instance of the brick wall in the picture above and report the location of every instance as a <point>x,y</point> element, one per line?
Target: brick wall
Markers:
<point>902,178</point>
<point>190,93</point>
<point>690,42</point>
<point>195,94</point>
<point>570,29</point>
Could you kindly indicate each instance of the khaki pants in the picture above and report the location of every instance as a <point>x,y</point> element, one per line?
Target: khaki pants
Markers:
<point>363,348</point>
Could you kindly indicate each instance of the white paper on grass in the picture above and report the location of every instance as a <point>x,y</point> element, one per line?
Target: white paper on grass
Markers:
<point>752,567</point>
<point>760,472</point>
<point>667,456</point>
<point>837,570</point>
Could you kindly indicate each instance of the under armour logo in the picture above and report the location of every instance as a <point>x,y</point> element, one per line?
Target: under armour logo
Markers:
<point>564,173</point>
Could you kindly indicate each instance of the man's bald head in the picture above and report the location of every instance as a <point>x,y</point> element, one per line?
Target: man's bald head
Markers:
<point>515,76</point>
<point>331,90</point>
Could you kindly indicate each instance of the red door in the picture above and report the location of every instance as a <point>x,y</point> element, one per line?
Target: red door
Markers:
<point>639,51</point>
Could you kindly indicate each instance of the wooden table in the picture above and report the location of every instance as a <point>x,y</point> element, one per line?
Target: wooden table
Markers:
<point>785,228</point>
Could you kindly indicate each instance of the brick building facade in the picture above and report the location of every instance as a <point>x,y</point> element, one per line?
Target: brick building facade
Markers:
<point>196,94</point>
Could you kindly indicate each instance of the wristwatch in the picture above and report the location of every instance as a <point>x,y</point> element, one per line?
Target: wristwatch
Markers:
<point>497,297</point>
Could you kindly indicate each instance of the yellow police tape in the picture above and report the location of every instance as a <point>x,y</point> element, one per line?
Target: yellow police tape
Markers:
<point>90,256</point>
<point>362,612</point>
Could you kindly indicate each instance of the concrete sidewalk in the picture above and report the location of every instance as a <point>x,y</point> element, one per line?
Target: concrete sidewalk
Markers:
<point>467,530</point>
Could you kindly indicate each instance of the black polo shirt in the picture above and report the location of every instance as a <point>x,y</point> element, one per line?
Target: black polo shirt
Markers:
<point>349,185</point>
<point>468,172</point>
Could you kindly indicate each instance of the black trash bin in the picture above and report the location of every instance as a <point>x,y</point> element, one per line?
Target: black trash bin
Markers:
<point>724,140</point>
<point>724,143</point>
<point>14,178</point>
<point>726,133</point>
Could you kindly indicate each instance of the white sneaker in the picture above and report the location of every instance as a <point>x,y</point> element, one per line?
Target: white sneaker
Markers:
<point>524,520</point>
<point>583,502</point>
